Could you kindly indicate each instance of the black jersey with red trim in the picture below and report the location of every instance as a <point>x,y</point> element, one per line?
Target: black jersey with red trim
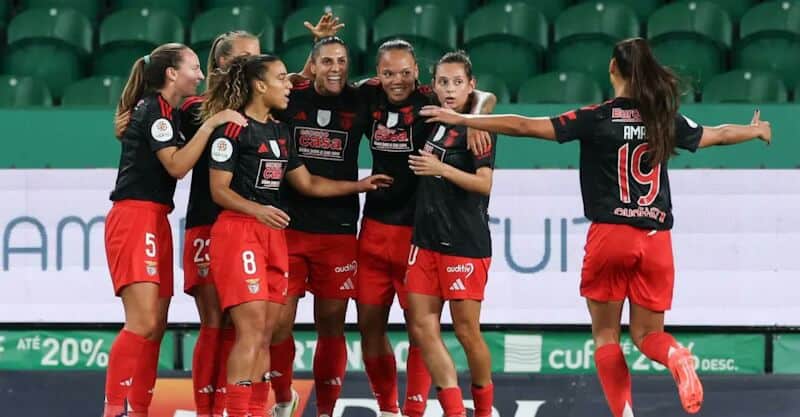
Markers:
<point>394,132</point>
<point>618,184</point>
<point>154,125</point>
<point>327,131</point>
<point>259,155</point>
<point>201,210</point>
<point>449,219</point>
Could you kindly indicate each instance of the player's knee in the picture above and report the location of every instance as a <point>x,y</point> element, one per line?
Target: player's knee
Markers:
<point>638,335</point>
<point>468,334</point>
<point>606,336</point>
<point>145,325</point>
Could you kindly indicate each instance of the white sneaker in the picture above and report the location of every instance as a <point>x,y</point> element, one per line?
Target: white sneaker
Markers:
<point>288,408</point>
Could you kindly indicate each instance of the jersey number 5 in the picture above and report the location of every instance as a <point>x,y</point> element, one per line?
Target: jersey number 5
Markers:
<point>651,179</point>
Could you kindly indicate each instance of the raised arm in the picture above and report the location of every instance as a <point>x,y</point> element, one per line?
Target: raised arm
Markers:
<point>508,124</point>
<point>328,25</point>
<point>731,134</point>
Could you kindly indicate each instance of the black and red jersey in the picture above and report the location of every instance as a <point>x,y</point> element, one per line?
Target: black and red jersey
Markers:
<point>201,210</point>
<point>154,125</point>
<point>618,183</point>
<point>327,131</point>
<point>394,131</point>
<point>449,219</point>
<point>258,155</point>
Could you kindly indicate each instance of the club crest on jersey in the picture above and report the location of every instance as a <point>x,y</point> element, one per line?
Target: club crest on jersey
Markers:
<point>391,119</point>
<point>323,118</point>
<point>151,267</point>
<point>439,133</point>
<point>221,150</point>
<point>253,285</point>
<point>161,130</point>
<point>276,150</point>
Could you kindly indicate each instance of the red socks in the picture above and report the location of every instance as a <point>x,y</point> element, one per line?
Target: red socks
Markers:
<point>204,368</point>
<point>483,398</point>
<point>452,402</point>
<point>656,346</point>
<point>228,338</point>
<point>281,369</point>
<point>258,399</point>
<point>614,377</point>
<point>144,380</point>
<point>237,399</point>
<point>418,384</point>
<point>122,364</point>
<point>382,375</point>
<point>330,361</point>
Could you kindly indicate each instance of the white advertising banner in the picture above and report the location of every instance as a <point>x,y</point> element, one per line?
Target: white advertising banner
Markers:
<point>736,243</point>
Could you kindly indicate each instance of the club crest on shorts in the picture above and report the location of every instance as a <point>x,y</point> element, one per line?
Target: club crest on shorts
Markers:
<point>202,269</point>
<point>323,117</point>
<point>253,285</point>
<point>151,267</point>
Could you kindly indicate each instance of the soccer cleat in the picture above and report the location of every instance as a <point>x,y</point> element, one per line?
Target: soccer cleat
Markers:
<point>288,408</point>
<point>681,365</point>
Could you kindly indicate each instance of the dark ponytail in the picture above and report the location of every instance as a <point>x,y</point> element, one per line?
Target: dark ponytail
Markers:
<point>656,92</point>
<point>148,74</point>
<point>231,87</point>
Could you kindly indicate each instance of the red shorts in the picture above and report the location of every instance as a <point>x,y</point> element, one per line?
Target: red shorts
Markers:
<point>623,261</point>
<point>382,261</point>
<point>139,245</point>
<point>324,264</point>
<point>447,276</point>
<point>196,258</point>
<point>249,261</point>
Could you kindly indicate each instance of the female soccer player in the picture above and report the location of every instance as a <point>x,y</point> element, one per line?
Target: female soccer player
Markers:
<point>395,131</point>
<point>626,143</point>
<point>138,238</point>
<point>451,252</point>
<point>247,167</point>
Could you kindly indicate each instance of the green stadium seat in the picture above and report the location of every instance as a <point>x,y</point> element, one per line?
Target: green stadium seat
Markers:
<point>585,35</point>
<point>90,8</point>
<point>94,91</point>
<point>67,26</point>
<point>276,9</point>
<point>416,22</point>
<point>741,86</point>
<point>735,8</point>
<point>5,13</point>
<point>354,33</point>
<point>54,63</point>
<point>643,8</point>
<point>770,40</point>
<point>560,87</point>
<point>367,8</point>
<point>691,38</point>
<point>459,8</point>
<point>131,33</point>
<point>501,30</point>
<point>182,8</point>
<point>550,8</point>
<point>23,92</point>
<point>208,25</point>
<point>494,85</point>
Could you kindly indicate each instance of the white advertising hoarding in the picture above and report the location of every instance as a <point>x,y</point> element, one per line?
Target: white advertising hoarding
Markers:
<point>736,241</point>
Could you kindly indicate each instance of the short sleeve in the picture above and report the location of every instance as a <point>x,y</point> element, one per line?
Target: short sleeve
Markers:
<point>294,160</point>
<point>223,152</point>
<point>486,159</point>
<point>161,131</point>
<point>575,124</point>
<point>687,133</point>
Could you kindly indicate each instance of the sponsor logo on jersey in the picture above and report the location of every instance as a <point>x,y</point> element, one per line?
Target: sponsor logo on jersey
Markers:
<point>388,139</point>
<point>161,130</point>
<point>619,115</point>
<point>321,143</point>
<point>270,174</point>
<point>221,149</point>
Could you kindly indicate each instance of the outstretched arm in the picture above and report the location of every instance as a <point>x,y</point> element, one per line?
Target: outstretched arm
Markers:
<point>316,186</point>
<point>508,124</point>
<point>730,134</point>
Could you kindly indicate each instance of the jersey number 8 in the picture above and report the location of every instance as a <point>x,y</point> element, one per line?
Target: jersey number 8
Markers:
<point>651,179</point>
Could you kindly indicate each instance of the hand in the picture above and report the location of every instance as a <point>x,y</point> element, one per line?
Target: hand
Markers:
<point>442,115</point>
<point>426,164</point>
<point>478,141</point>
<point>121,122</point>
<point>763,127</point>
<point>272,217</point>
<point>227,116</point>
<point>373,182</point>
<point>328,25</point>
